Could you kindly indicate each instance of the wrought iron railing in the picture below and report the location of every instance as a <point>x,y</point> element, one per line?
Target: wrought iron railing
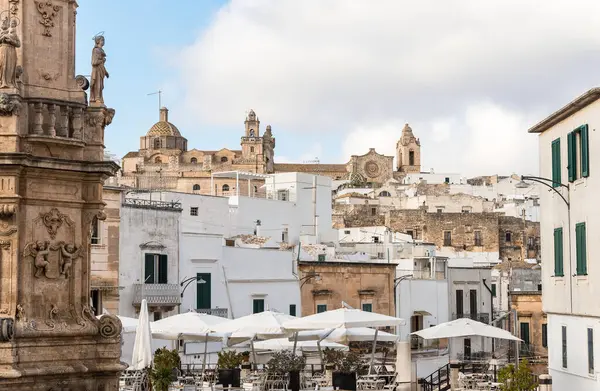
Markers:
<point>152,204</point>
<point>222,312</point>
<point>156,294</point>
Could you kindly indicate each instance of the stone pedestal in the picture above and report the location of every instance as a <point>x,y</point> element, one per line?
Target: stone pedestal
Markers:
<point>403,365</point>
<point>545,383</point>
<point>52,170</point>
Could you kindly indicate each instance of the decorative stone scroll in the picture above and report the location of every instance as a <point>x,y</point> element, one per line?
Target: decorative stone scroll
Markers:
<point>110,326</point>
<point>53,220</point>
<point>47,12</point>
<point>7,329</point>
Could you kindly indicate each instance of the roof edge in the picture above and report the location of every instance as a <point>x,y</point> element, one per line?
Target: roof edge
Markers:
<point>572,107</point>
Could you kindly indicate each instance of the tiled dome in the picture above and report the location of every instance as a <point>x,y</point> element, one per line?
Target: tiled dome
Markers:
<point>164,127</point>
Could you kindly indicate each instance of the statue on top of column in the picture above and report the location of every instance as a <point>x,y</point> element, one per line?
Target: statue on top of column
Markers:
<point>98,70</point>
<point>9,42</point>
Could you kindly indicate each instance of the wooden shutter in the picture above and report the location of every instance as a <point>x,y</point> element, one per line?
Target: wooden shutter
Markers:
<point>525,332</point>
<point>293,309</point>
<point>585,152</point>
<point>556,162</point>
<point>203,291</point>
<point>149,269</point>
<point>580,247</point>
<point>558,252</point>
<point>571,156</point>
<point>163,266</point>
<point>258,306</point>
<point>545,335</point>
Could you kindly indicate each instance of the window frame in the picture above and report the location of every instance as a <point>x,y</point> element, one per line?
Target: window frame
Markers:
<point>578,157</point>
<point>559,263</point>
<point>95,240</point>
<point>581,248</point>
<point>556,162</point>
<point>367,305</point>
<point>194,211</point>
<point>256,304</point>
<point>321,308</point>
<point>292,310</point>
<point>544,335</point>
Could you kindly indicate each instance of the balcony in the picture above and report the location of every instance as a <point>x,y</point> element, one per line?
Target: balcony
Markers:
<point>480,317</point>
<point>153,204</point>
<point>221,312</point>
<point>161,297</point>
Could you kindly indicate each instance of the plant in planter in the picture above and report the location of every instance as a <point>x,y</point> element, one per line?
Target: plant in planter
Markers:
<point>166,365</point>
<point>347,367</point>
<point>286,362</point>
<point>245,356</point>
<point>229,368</point>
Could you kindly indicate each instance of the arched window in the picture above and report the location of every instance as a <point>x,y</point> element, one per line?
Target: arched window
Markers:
<point>251,132</point>
<point>225,188</point>
<point>256,189</point>
<point>156,143</point>
<point>411,158</point>
<point>193,160</point>
<point>251,149</point>
<point>196,187</point>
<point>385,194</point>
<point>157,160</point>
<point>224,159</point>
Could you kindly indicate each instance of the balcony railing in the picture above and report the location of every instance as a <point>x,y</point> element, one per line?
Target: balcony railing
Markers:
<point>156,295</point>
<point>222,312</point>
<point>480,317</point>
<point>152,204</point>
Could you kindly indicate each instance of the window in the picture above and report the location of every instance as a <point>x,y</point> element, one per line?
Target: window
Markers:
<point>224,159</point>
<point>157,160</point>
<point>203,291</point>
<point>525,333</point>
<point>564,346</point>
<point>411,233</point>
<point>590,346</point>
<point>157,316</point>
<point>467,209</point>
<point>558,252</point>
<point>367,307</point>
<point>380,255</point>
<point>375,239</point>
<point>411,158</point>
<point>440,210</point>
<point>531,243</point>
<point>545,335</point>
<point>196,187</point>
<point>347,232</point>
<point>193,160</point>
<point>539,287</point>
<point>252,149</point>
<point>284,235</point>
<point>578,158</point>
<point>258,305</point>
<point>493,290</point>
<point>556,167</point>
<point>580,249</point>
<point>460,309</point>
<point>477,238</point>
<point>156,143</point>
<point>155,269</point>
<point>373,211</point>
<point>508,237</point>
<point>96,297</point>
<point>385,194</point>
<point>95,237</point>
<point>473,302</point>
<point>293,309</point>
<point>467,348</point>
<point>255,189</point>
<point>193,211</point>
<point>447,180</point>
<point>447,238</point>
<point>283,195</point>
<point>225,188</point>
<point>321,257</point>
<point>321,308</point>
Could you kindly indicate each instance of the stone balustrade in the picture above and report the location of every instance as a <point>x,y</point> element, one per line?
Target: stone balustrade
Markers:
<point>53,118</point>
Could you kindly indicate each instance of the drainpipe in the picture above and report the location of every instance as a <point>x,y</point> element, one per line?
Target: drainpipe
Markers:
<point>491,310</point>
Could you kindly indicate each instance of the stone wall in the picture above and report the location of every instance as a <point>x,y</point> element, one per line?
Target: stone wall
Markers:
<point>518,238</point>
<point>350,282</point>
<point>353,215</point>
<point>529,310</point>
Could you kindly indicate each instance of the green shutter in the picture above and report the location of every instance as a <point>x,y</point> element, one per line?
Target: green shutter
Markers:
<point>367,307</point>
<point>203,291</point>
<point>556,169</point>
<point>580,248</point>
<point>585,151</point>
<point>572,156</point>
<point>545,335</point>
<point>525,332</point>
<point>321,308</point>
<point>493,290</point>
<point>258,305</point>
<point>149,269</point>
<point>293,309</point>
<point>558,252</point>
<point>163,266</point>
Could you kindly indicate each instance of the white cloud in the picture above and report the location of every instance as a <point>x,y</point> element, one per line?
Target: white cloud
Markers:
<point>316,66</point>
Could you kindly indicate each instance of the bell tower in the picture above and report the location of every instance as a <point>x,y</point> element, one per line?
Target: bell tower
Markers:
<point>252,143</point>
<point>52,170</point>
<point>408,152</point>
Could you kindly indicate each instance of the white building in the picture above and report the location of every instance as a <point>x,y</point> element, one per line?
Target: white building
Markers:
<point>570,225</point>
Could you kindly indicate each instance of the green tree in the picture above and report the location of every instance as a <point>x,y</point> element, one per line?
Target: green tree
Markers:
<point>517,378</point>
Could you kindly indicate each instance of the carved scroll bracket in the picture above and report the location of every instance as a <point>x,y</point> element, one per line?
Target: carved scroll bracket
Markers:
<point>47,12</point>
<point>53,220</point>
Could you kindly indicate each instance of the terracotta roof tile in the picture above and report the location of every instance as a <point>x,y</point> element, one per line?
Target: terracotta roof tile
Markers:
<point>131,154</point>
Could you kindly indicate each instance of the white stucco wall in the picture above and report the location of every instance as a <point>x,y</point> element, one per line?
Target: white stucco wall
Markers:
<point>422,295</point>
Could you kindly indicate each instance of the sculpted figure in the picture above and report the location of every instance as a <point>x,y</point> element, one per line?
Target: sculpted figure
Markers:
<point>68,253</point>
<point>9,42</point>
<point>39,251</point>
<point>98,70</point>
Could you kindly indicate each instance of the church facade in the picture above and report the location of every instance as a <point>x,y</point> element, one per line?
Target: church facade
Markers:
<point>164,162</point>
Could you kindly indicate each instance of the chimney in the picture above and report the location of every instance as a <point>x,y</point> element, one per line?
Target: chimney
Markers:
<point>164,114</point>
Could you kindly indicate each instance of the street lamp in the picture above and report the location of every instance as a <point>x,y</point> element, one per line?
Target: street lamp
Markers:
<point>188,281</point>
<point>397,282</point>
<point>310,275</point>
<point>549,183</point>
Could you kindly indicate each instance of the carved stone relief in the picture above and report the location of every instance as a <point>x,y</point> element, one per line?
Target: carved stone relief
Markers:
<point>47,12</point>
<point>7,330</point>
<point>7,210</point>
<point>9,105</point>
<point>52,260</point>
<point>53,220</point>
<point>110,326</point>
<point>14,7</point>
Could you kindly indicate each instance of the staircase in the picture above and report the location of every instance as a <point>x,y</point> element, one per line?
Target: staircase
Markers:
<point>438,380</point>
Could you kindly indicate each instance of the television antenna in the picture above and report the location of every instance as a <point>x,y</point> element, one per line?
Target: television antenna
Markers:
<point>159,93</point>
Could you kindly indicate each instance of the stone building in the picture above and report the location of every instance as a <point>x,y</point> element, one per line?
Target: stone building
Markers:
<point>532,328</point>
<point>104,254</point>
<point>368,286</point>
<point>164,161</point>
<point>519,238</point>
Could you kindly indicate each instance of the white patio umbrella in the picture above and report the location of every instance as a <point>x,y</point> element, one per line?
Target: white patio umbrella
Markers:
<point>262,325</point>
<point>464,327</point>
<point>344,335</point>
<point>190,326</point>
<point>142,348</point>
<point>129,324</point>
<point>286,344</point>
<point>347,318</point>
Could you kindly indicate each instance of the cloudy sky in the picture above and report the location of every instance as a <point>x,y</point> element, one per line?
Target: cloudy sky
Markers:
<point>335,77</point>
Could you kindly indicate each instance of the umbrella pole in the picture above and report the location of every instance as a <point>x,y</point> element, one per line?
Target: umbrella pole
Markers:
<point>373,351</point>
<point>295,342</point>
<point>205,351</point>
<point>320,353</point>
<point>253,353</point>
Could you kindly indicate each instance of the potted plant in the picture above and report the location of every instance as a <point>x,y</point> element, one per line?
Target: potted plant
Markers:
<point>344,377</point>
<point>517,378</point>
<point>286,362</point>
<point>245,356</point>
<point>229,368</point>
<point>165,368</point>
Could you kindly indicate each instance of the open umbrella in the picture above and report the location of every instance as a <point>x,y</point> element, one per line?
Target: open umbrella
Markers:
<point>142,348</point>
<point>464,327</point>
<point>286,344</point>
<point>344,336</point>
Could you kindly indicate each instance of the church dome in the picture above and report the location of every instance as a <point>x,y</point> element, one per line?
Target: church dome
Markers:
<point>164,127</point>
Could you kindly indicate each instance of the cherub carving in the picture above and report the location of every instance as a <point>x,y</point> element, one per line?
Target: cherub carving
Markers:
<point>39,251</point>
<point>68,252</point>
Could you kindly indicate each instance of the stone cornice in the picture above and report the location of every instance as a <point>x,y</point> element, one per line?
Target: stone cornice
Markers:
<point>104,167</point>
